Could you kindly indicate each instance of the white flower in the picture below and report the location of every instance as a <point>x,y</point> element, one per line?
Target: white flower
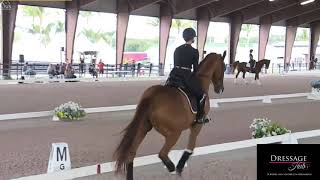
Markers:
<point>264,130</point>
<point>274,134</point>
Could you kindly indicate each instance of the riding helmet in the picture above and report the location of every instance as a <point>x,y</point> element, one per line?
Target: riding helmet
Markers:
<point>189,34</point>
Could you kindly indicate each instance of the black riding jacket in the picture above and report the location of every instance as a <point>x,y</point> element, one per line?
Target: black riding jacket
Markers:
<point>186,56</point>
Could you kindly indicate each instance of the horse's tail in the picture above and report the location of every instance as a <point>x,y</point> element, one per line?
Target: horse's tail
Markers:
<point>234,66</point>
<point>131,133</point>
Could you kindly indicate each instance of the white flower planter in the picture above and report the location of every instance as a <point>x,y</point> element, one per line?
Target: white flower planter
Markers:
<point>315,94</point>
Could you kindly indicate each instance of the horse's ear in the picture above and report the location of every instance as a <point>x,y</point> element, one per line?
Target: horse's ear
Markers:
<point>224,54</point>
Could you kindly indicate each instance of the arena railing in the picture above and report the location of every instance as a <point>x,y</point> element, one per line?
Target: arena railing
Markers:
<point>136,70</point>
<point>109,69</point>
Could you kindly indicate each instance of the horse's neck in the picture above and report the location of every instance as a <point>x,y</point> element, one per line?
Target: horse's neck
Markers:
<point>205,84</point>
<point>204,75</point>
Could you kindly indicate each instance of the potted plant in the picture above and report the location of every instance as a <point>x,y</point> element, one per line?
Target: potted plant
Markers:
<point>262,127</point>
<point>69,111</point>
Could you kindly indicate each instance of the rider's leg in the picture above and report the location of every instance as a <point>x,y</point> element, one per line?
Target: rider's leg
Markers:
<point>195,87</point>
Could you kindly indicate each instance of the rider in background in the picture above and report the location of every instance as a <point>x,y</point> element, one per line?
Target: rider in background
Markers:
<point>185,58</point>
<point>252,62</point>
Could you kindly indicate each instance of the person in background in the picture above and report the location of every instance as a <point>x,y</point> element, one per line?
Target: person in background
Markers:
<point>93,71</point>
<point>101,67</point>
<point>57,69</point>
<point>252,62</point>
<point>62,68</point>
<point>51,71</point>
<point>82,65</point>
<point>27,69</point>
<point>69,72</point>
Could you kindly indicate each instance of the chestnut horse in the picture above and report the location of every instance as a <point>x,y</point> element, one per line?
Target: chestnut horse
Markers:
<point>167,110</point>
<point>242,67</point>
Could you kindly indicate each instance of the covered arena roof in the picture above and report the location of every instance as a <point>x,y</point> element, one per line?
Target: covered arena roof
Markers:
<point>283,12</point>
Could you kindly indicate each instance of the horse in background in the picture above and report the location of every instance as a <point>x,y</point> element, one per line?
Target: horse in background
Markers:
<point>242,67</point>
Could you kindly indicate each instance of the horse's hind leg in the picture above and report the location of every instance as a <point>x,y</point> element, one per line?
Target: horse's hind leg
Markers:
<point>140,136</point>
<point>257,79</point>
<point>235,79</point>
<point>195,130</point>
<point>170,141</point>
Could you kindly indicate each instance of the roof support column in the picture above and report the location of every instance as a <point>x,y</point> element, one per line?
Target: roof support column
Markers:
<point>235,29</point>
<point>291,32</point>
<point>8,26</point>
<point>264,31</point>
<point>314,38</point>
<point>122,25</point>
<point>203,17</point>
<point>72,13</point>
<point>165,25</point>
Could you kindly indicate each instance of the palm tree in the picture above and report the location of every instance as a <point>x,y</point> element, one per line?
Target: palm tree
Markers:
<point>34,12</point>
<point>176,23</point>
<point>303,36</point>
<point>59,27</point>
<point>108,36</point>
<point>87,15</point>
<point>91,35</point>
<point>38,28</point>
<point>43,32</point>
<point>179,24</point>
<point>247,28</point>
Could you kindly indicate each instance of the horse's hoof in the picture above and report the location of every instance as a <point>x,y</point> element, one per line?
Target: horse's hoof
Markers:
<point>259,83</point>
<point>179,172</point>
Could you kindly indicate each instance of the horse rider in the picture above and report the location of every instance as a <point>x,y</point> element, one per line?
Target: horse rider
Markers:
<point>185,58</point>
<point>252,62</point>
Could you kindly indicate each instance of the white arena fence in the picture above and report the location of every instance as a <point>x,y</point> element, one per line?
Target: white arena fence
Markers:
<point>176,154</point>
<point>213,103</point>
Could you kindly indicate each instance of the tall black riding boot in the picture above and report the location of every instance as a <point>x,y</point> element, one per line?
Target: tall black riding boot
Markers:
<point>200,118</point>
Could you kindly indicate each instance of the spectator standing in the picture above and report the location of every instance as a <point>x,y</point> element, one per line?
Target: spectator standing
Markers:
<point>101,67</point>
<point>82,65</point>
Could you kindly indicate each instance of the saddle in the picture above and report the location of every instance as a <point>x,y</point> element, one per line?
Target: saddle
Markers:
<point>192,100</point>
<point>251,67</point>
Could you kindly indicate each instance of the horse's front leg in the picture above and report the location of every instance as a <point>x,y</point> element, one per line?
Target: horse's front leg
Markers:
<point>194,132</point>
<point>256,78</point>
<point>235,79</point>
<point>244,77</point>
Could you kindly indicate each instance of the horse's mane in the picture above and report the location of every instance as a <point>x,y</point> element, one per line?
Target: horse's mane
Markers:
<point>203,66</point>
<point>205,60</point>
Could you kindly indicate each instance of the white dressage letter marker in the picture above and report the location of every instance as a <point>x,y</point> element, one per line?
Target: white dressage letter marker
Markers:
<point>59,159</point>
